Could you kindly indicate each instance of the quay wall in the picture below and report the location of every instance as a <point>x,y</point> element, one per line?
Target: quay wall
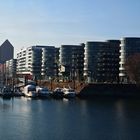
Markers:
<point>52,85</point>
<point>112,90</point>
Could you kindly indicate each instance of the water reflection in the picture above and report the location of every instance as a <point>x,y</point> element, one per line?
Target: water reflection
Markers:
<point>5,104</point>
<point>24,118</point>
<point>120,108</point>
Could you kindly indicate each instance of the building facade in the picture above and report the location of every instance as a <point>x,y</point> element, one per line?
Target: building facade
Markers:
<point>129,46</point>
<point>37,61</point>
<point>10,72</point>
<point>6,52</point>
<point>50,62</point>
<point>11,66</point>
<point>102,61</point>
<point>72,61</point>
<point>2,74</point>
<point>21,61</point>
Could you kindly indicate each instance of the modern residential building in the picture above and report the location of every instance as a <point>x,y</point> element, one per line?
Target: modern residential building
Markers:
<point>102,61</point>
<point>72,61</point>
<point>6,51</point>
<point>29,61</point>
<point>129,46</point>
<point>49,62</point>
<point>21,62</point>
<point>57,50</point>
<point>11,66</point>
<point>36,61</point>
<point>10,72</point>
<point>2,74</point>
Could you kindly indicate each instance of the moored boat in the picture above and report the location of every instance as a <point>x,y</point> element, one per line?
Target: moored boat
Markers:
<point>30,91</point>
<point>6,92</point>
<point>17,92</point>
<point>69,93</point>
<point>43,92</point>
<point>58,93</point>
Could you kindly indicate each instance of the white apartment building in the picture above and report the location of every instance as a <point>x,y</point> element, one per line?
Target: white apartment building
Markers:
<point>36,61</point>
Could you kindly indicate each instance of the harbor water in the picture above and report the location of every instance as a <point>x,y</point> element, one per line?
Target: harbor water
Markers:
<point>75,119</point>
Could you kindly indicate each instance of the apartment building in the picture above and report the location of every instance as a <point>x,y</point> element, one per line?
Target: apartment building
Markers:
<point>37,61</point>
<point>101,62</point>
<point>50,62</point>
<point>11,66</point>
<point>72,61</point>
<point>128,47</point>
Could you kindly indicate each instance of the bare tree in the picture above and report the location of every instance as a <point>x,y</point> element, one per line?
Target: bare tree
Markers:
<point>133,67</point>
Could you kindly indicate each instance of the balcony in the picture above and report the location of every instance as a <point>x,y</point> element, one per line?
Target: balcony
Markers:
<point>122,74</point>
<point>122,62</point>
<point>121,68</point>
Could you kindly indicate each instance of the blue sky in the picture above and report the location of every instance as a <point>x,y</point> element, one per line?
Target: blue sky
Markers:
<point>56,22</point>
